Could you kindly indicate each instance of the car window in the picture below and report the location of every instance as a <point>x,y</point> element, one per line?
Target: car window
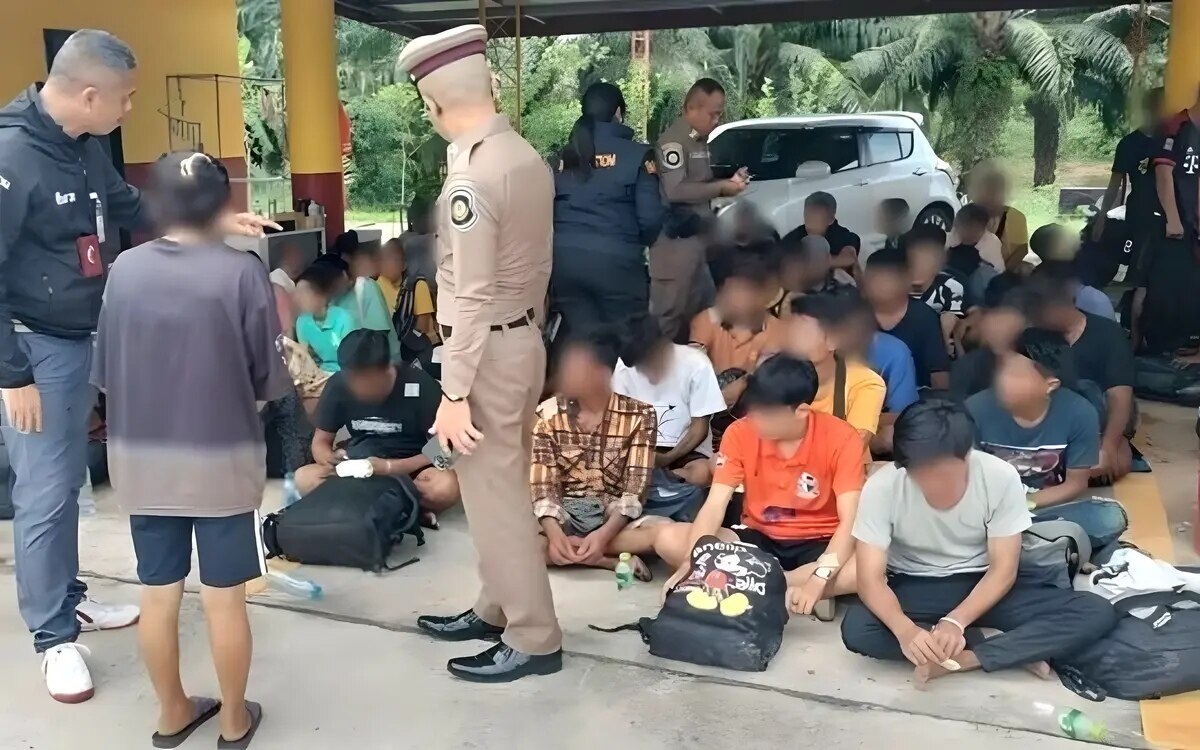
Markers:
<point>888,145</point>
<point>775,153</point>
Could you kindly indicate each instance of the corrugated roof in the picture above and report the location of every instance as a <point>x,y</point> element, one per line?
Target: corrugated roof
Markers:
<point>556,17</point>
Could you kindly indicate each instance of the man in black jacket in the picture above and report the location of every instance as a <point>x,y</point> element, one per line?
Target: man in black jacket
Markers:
<point>61,201</point>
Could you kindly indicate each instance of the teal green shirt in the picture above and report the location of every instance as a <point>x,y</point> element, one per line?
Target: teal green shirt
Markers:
<point>322,337</point>
<point>368,309</point>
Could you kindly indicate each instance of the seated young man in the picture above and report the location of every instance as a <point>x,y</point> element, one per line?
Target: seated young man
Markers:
<point>738,331</point>
<point>971,231</point>
<point>402,286</point>
<point>1102,355</point>
<point>890,358</point>
<point>593,452</point>
<point>362,296</point>
<point>1001,320</point>
<point>681,385</point>
<point>1033,419</point>
<point>820,220</point>
<point>886,287</point>
<point>801,471</point>
<point>925,251</point>
<point>1054,243</point>
<point>821,329</point>
<point>939,542</point>
<point>805,268</point>
<point>388,411</point>
<point>892,220</point>
<point>321,326</point>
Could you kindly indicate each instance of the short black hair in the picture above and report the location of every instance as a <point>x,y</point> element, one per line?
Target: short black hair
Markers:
<point>1043,239</point>
<point>888,259</point>
<point>753,267</point>
<point>1006,290</point>
<point>602,343</point>
<point>323,277</point>
<point>353,251</point>
<point>187,189</point>
<point>781,381</point>
<point>1054,282</point>
<point>797,248</point>
<point>645,337</point>
<point>930,429</point>
<point>896,208</point>
<point>329,260</point>
<point>925,235</point>
<point>973,213</point>
<point>345,243</point>
<point>706,86</point>
<point>1051,354</point>
<point>829,309</point>
<point>823,200</point>
<point>364,349</point>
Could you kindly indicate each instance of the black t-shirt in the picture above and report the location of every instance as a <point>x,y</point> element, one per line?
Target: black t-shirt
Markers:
<point>397,428</point>
<point>972,373</point>
<point>921,330</point>
<point>837,235</point>
<point>1180,149</point>
<point>1102,353</point>
<point>1134,158</point>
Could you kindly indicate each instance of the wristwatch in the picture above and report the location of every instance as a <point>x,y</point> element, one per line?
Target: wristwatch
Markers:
<point>824,573</point>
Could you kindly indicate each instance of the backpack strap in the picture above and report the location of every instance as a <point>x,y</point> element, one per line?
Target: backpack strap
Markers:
<point>839,387</point>
<point>1003,223</point>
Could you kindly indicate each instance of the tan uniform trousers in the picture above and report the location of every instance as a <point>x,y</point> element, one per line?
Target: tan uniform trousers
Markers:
<point>680,284</point>
<point>515,588</point>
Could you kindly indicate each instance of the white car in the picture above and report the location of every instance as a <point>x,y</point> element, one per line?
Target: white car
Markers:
<point>861,160</point>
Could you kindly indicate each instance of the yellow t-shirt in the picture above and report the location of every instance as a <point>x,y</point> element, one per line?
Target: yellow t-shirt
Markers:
<point>391,292</point>
<point>864,397</point>
<point>422,298</point>
<point>1014,237</point>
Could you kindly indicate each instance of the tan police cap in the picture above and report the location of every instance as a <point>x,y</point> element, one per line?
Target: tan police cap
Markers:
<point>426,54</point>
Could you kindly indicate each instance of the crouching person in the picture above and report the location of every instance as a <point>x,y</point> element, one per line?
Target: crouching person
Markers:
<point>802,472</point>
<point>388,411</point>
<point>593,451</point>
<point>939,543</point>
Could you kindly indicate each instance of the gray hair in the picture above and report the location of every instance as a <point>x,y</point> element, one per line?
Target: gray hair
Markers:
<point>87,49</point>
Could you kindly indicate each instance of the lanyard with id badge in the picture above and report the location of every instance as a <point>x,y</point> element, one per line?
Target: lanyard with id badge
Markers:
<point>91,263</point>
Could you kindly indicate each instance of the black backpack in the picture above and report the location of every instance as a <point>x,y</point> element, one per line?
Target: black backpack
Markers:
<point>729,612</point>
<point>351,523</point>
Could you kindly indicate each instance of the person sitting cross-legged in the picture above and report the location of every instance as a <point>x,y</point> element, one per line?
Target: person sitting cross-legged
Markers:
<point>388,411</point>
<point>939,542</point>
<point>1034,419</point>
<point>593,452</point>
<point>679,382</point>
<point>886,287</point>
<point>801,471</point>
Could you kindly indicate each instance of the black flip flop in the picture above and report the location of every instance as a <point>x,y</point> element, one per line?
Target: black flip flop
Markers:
<point>256,715</point>
<point>206,708</point>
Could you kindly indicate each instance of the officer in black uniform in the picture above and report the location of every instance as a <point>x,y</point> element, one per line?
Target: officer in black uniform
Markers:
<point>607,210</point>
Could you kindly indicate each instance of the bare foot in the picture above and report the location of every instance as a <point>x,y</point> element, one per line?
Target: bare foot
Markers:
<point>641,570</point>
<point>1040,670</point>
<point>174,719</point>
<point>922,676</point>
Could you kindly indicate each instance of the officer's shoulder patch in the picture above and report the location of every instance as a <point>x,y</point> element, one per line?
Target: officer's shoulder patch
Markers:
<point>672,155</point>
<point>463,209</point>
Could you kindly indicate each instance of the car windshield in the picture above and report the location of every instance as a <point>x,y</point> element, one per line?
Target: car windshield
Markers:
<point>775,153</point>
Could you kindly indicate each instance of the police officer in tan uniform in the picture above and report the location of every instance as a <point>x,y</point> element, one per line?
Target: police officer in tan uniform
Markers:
<point>680,283</point>
<point>494,227</point>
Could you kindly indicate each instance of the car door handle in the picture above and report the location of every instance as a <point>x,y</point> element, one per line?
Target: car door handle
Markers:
<point>864,183</point>
<point>920,172</point>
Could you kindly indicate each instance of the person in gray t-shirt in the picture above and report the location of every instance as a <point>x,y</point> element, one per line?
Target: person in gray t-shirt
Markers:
<point>939,543</point>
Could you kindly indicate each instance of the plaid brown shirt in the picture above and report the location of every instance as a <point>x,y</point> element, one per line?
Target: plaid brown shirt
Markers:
<point>612,463</point>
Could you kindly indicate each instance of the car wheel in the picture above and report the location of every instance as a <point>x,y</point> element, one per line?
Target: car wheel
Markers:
<point>939,215</point>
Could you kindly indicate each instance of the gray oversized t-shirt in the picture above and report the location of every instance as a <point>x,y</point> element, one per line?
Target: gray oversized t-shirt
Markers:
<point>923,541</point>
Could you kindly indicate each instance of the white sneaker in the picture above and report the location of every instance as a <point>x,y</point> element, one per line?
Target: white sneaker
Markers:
<point>66,673</point>
<point>93,615</point>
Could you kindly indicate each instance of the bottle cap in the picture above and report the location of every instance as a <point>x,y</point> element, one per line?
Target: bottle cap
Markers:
<point>624,557</point>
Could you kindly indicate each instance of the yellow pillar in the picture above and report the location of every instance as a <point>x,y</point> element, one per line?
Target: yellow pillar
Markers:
<point>1183,56</point>
<point>314,139</point>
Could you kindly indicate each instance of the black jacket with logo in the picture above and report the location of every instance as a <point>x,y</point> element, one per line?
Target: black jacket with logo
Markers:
<point>47,184</point>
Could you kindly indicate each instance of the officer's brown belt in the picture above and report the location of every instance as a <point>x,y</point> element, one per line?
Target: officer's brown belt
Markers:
<point>521,322</point>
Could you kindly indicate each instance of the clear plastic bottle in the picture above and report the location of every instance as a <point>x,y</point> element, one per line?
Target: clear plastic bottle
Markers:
<point>87,501</point>
<point>301,588</point>
<point>624,571</point>
<point>290,493</point>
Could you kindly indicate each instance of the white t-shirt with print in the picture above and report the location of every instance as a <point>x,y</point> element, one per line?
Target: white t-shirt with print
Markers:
<point>688,391</point>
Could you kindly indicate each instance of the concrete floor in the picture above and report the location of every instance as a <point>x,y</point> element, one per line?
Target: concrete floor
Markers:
<point>349,671</point>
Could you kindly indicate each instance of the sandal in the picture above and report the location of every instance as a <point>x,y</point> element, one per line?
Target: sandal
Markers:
<point>641,570</point>
<point>205,709</point>
<point>256,715</point>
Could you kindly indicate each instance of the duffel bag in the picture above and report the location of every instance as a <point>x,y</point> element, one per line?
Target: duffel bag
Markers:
<point>1052,552</point>
<point>351,523</point>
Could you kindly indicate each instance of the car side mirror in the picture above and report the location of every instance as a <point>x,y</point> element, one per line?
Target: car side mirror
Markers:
<point>813,170</point>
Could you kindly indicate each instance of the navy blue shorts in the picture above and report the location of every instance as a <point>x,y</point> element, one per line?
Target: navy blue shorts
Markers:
<point>229,548</point>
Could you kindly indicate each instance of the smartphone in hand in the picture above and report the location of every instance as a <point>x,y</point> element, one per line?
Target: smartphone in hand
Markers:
<point>440,459</point>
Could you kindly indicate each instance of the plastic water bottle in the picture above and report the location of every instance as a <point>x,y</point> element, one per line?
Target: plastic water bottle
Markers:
<point>624,571</point>
<point>301,588</point>
<point>87,501</point>
<point>290,493</point>
<point>1078,726</point>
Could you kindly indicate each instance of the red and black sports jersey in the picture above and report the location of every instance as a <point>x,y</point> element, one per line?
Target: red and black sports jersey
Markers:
<point>1181,150</point>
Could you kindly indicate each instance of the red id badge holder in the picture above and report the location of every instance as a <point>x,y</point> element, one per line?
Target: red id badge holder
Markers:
<point>88,247</point>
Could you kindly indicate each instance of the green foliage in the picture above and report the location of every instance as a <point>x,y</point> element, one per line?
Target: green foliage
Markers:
<point>393,156</point>
<point>973,117</point>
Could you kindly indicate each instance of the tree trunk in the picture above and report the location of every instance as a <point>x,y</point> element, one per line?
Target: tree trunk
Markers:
<point>1047,123</point>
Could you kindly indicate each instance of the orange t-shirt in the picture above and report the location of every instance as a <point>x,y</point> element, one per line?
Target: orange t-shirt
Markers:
<point>733,347</point>
<point>792,498</point>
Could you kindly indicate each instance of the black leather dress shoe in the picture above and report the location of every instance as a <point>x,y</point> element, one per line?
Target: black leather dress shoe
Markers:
<point>501,663</point>
<point>464,627</point>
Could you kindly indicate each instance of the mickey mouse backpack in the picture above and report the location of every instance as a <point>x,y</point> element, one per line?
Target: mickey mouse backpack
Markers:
<point>728,612</point>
